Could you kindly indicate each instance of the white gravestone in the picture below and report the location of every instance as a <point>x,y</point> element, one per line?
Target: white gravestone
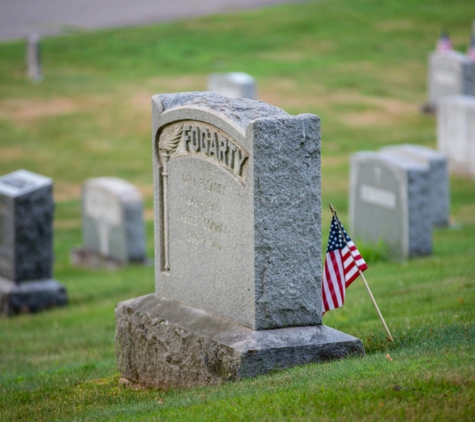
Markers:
<point>390,202</point>
<point>237,247</point>
<point>33,58</point>
<point>234,85</point>
<point>26,244</point>
<point>113,226</point>
<point>456,133</point>
<point>450,73</point>
<point>439,178</point>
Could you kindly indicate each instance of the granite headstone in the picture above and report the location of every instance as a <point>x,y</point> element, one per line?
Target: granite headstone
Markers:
<point>456,133</point>
<point>450,73</point>
<point>233,84</point>
<point>390,203</point>
<point>237,247</point>
<point>439,178</point>
<point>26,244</point>
<point>113,225</point>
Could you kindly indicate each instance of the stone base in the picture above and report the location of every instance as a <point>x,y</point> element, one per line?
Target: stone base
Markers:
<point>163,343</point>
<point>83,257</point>
<point>30,296</point>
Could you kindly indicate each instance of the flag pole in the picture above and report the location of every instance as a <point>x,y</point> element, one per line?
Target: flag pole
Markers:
<point>361,274</point>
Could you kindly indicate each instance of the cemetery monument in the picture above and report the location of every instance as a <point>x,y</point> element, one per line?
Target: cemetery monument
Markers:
<point>238,259</point>
<point>26,244</point>
<point>113,225</point>
<point>33,58</point>
<point>390,203</point>
<point>233,84</point>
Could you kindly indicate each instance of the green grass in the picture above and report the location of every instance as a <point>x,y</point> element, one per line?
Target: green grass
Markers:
<point>361,66</point>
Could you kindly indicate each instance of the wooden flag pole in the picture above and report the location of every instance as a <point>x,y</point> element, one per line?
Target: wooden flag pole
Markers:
<point>361,274</point>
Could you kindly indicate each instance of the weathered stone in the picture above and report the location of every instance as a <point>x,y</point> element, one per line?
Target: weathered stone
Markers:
<point>439,178</point>
<point>223,233</point>
<point>113,226</point>
<point>234,85</point>
<point>33,58</point>
<point>456,133</point>
<point>390,202</point>
<point>163,343</point>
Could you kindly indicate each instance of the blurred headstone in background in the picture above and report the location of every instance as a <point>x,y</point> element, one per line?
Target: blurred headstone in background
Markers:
<point>450,73</point>
<point>113,224</point>
<point>390,203</point>
<point>33,58</point>
<point>26,244</point>
<point>234,85</point>
<point>439,178</point>
<point>456,133</point>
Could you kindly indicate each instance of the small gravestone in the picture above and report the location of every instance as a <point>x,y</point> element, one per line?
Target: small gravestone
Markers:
<point>390,203</point>
<point>234,85</point>
<point>113,225</point>
<point>439,178</point>
<point>237,247</point>
<point>33,58</point>
<point>26,244</point>
<point>456,133</point>
<point>450,73</point>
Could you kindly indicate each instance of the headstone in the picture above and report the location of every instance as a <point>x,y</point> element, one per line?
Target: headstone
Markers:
<point>439,178</point>
<point>237,247</point>
<point>26,244</point>
<point>113,225</point>
<point>450,73</point>
<point>390,203</point>
<point>456,133</point>
<point>234,85</point>
<point>34,58</point>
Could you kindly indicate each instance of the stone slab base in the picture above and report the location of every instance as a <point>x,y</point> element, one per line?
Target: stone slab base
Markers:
<point>163,343</point>
<point>30,296</point>
<point>83,257</point>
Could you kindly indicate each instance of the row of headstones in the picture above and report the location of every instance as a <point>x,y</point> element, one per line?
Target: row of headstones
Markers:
<point>397,196</point>
<point>113,235</point>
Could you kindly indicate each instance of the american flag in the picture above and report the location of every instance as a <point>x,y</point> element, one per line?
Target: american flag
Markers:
<point>341,267</point>
<point>444,44</point>
<point>471,50</point>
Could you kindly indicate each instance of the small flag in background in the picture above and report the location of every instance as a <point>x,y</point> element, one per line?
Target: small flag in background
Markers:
<point>444,44</point>
<point>471,50</point>
<point>342,265</point>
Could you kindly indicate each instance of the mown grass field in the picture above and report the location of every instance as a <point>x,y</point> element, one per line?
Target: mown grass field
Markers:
<point>361,66</point>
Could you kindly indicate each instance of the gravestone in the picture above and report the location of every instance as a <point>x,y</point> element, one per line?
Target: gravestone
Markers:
<point>390,203</point>
<point>450,73</point>
<point>234,85</point>
<point>33,58</point>
<point>113,225</point>
<point>456,133</point>
<point>26,244</point>
<point>439,178</point>
<point>237,247</point>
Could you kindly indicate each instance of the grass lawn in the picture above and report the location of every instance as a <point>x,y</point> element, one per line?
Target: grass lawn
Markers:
<point>360,65</point>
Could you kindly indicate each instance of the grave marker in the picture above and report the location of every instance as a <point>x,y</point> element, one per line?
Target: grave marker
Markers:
<point>450,73</point>
<point>234,85</point>
<point>113,226</point>
<point>237,247</point>
<point>33,58</point>
<point>390,202</point>
<point>439,178</point>
<point>26,244</point>
<point>456,133</point>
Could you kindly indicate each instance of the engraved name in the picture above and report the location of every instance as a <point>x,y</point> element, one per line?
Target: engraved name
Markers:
<point>377,196</point>
<point>213,145</point>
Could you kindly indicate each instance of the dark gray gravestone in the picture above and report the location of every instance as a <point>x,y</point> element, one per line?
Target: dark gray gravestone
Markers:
<point>390,202</point>
<point>234,85</point>
<point>456,133</point>
<point>450,73</point>
<point>237,247</point>
<point>439,178</point>
<point>33,58</point>
<point>113,225</point>
<point>26,241</point>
